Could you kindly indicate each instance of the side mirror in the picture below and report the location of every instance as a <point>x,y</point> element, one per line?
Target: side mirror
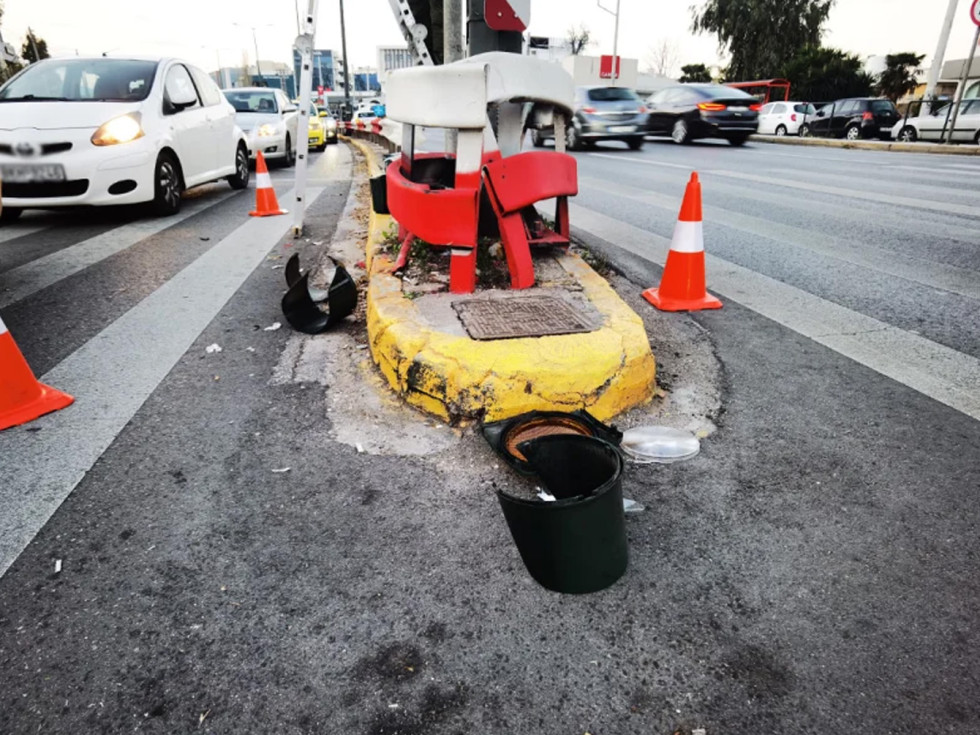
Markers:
<point>820,113</point>
<point>289,109</point>
<point>180,96</point>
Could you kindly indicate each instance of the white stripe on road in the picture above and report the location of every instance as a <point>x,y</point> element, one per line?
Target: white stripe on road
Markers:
<point>112,375</point>
<point>949,208</point>
<point>12,232</point>
<point>940,276</point>
<point>934,370</point>
<point>19,283</point>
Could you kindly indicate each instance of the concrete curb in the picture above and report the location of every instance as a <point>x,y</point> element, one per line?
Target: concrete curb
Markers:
<point>442,371</point>
<point>871,145</point>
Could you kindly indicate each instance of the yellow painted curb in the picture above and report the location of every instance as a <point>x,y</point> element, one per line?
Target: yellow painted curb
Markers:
<point>454,377</point>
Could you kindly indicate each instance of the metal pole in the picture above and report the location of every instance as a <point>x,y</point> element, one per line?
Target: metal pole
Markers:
<point>343,44</point>
<point>963,80</point>
<point>937,59</point>
<point>304,44</point>
<point>30,35</point>
<point>452,48</point>
<point>616,69</point>
<point>258,69</point>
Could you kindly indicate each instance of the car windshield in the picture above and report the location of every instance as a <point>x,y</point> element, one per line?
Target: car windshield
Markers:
<point>82,80</point>
<point>261,102</point>
<point>611,94</point>
<point>882,106</point>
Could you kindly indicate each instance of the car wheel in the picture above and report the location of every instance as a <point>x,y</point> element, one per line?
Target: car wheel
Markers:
<point>908,134</point>
<point>679,134</point>
<point>780,130</point>
<point>537,140</point>
<point>574,139</point>
<point>804,131</point>
<point>9,214</point>
<point>635,144</point>
<point>167,185</point>
<point>852,133</point>
<point>976,138</point>
<point>239,179</point>
<point>290,158</point>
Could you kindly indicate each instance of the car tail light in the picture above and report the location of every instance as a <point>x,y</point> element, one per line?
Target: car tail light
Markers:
<point>792,117</point>
<point>711,106</point>
<point>643,109</point>
<point>755,108</point>
<point>867,116</point>
<point>589,110</point>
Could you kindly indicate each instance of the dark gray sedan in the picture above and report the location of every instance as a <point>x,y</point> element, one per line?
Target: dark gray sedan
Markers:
<point>603,113</point>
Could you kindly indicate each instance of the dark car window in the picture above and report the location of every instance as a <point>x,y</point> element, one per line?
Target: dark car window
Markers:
<point>848,107</point>
<point>252,101</point>
<point>806,109</point>
<point>883,106</point>
<point>612,94</point>
<point>81,80</point>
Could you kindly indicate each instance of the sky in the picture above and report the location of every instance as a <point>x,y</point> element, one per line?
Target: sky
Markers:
<point>209,32</point>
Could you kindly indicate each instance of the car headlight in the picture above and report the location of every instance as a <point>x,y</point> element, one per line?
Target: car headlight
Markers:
<point>123,129</point>
<point>267,130</point>
<point>331,124</point>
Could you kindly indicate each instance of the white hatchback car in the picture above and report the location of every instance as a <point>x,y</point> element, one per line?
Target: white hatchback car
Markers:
<point>98,131</point>
<point>932,126</point>
<point>270,121</point>
<point>784,118</point>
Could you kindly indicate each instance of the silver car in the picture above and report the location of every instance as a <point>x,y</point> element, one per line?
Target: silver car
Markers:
<point>931,125</point>
<point>269,121</point>
<point>603,113</point>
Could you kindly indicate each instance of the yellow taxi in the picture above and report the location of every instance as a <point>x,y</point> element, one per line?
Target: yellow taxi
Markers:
<point>323,128</point>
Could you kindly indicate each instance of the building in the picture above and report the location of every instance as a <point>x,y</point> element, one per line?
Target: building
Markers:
<point>391,58</point>
<point>327,68</point>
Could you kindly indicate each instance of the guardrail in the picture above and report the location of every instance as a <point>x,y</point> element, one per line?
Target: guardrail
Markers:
<point>382,131</point>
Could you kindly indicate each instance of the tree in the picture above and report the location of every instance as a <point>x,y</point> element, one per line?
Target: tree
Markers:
<point>34,49</point>
<point>695,73</point>
<point>899,77</point>
<point>661,58</point>
<point>761,35</point>
<point>820,74</point>
<point>578,39</point>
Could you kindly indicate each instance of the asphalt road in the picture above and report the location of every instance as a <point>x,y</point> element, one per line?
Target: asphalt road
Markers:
<point>255,540</point>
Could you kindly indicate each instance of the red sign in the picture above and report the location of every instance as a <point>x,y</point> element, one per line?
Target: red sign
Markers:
<point>320,90</point>
<point>975,12</point>
<point>606,66</point>
<point>507,15</point>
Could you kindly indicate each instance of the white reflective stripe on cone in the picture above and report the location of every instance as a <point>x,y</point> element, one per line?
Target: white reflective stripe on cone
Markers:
<point>3,327</point>
<point>688,237</point>
<point>263,181</point>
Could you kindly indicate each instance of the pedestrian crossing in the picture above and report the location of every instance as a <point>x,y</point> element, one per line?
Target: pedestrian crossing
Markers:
<point>113,373</point>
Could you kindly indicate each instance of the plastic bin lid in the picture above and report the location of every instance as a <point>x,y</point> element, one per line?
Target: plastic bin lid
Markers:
<point>661,444</point>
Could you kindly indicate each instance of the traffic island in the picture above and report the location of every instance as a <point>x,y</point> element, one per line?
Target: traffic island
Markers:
<point>422,338</point>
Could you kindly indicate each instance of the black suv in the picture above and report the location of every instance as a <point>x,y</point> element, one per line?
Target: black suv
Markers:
<point>855,118</point>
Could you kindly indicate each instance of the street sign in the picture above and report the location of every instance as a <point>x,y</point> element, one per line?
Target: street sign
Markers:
<point>507,15</point>
<point>975,12</point>
<point>606,67</point>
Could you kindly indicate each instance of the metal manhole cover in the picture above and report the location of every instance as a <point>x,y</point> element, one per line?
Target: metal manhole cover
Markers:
<point>521,316</point>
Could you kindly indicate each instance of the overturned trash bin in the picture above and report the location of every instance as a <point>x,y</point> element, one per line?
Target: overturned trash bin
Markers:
<point>576,543</point>
<point>301,304</point>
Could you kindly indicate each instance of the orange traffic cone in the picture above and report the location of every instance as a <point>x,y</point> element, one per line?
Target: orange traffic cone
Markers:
<point>22,398</point>
<point>265,196</point>
<point>682,287</point>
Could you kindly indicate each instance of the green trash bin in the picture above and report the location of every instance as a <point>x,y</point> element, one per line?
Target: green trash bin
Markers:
<point>576,543</point>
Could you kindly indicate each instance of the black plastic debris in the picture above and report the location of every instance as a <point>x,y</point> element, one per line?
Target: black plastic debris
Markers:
<point>379,194</point>
<point>506,435</point>
<point>575,543</point>
<point>304,312</point>
<point>294,273</point>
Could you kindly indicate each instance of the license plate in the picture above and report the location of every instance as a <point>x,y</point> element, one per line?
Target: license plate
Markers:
<point>738,109</point>
<point>623,129</point>
<point>26,173</point>
<point>314,140</point>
